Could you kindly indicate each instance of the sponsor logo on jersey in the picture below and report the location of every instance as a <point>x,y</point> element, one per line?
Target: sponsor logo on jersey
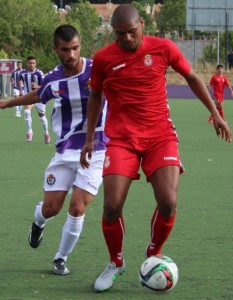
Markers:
<point>170,158</point>
<point>118,67</point>
<point>51,179</point>
<point>59,92</point>
<point>148,60</point>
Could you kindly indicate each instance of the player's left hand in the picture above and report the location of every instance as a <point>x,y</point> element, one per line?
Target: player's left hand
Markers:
<point>222,129</point>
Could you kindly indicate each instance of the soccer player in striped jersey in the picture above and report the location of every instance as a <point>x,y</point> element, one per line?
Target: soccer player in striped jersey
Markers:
<point>131,72</point>
<point>69,86</point>
<point>31,79</point>
<point>15,86</point>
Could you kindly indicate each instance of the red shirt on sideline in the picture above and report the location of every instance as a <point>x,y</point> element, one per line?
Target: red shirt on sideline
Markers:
<point>218,82</point>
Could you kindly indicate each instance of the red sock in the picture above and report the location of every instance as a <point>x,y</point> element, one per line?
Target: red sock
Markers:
<point>160,230</point>
<point>114,236</point>
<point>220,110</point>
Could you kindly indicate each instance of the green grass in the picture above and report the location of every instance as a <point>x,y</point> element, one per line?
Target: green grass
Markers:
<point>201,242</point>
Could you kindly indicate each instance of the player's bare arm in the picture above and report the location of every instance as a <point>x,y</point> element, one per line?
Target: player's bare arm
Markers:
<point>201,91</point>
<point>94,107</point>
<point>30,98</point>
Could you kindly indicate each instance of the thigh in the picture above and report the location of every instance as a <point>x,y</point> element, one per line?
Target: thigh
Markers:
<point>115,192</point>
<point>161,152</point>
<point>28,107</point>
<point>40,108</point>
<point>165,183</point>
<point>53,203</point>
<point>90,179</point>
<point>80,199</point>
<point>121,161</point>
<point>59,176</point>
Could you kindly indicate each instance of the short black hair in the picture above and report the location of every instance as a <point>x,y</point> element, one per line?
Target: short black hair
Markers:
<point>65,32</point>
<point>219,66</point>
<point>30,57</point>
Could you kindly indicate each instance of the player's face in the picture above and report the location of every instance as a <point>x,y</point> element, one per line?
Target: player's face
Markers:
<point>220,71</point>
<point>69,53</point>
<point>20,65</point>
<point>31,65</point>
<point>129,35</point>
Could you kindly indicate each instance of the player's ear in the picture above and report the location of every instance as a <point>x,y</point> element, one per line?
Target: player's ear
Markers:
<point>142,22</point>
<point>54,48</point>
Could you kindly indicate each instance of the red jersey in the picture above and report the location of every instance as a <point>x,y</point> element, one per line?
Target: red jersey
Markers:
<point>218,82</point>
<point>134,84</point>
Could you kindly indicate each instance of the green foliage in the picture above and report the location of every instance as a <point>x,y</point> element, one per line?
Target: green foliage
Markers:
<point>172,16</point>
<point>149,26</point>
<point>26,28</point>
<point>210,51</point>
<point>84,17</point>
<point>3,54</point>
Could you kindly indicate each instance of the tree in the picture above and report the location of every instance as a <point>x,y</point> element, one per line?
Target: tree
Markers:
<point>26,28</point>
<point>86,20</point>
<point>172,17</point>
<point>149,26</point>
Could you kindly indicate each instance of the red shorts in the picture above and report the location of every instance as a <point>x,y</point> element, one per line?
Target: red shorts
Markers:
<point>124,157</point>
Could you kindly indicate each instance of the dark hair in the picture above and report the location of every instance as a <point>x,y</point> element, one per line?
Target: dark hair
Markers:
<point>219,66</point>
<point>30,57</point>
<point>65,32</point>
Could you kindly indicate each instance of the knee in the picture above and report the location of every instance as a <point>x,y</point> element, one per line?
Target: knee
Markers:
<point>112,210</point>
<point>77,210</point>
<point>167,206</point>
<point>49,211</point>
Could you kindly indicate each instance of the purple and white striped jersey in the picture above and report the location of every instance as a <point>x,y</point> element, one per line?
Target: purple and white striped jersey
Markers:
<point>28,77</point>
<point>15,76</point>
<point>69,115</point>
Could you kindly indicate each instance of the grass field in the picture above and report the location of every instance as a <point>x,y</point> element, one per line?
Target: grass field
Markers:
<point>201,242</point>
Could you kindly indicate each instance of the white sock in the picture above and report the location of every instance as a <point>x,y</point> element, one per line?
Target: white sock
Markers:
<point>18,109</point>
<point>28,120</point>
<point>70,234</point>
<point>44,123</point>
<point>40,220</point>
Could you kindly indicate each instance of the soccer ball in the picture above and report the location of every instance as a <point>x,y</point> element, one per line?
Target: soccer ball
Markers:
<point>159,274</point>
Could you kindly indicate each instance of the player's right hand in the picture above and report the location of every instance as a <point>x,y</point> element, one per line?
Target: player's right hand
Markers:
<point>222,129</point>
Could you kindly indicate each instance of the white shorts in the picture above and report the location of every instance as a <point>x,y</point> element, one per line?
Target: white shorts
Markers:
<point>41,108</point>
<point>65,170</point>
<point>15,92</point>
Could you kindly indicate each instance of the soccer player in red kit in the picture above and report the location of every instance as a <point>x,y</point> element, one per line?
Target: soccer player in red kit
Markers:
<point>218,82</point>
<point>131,72</point>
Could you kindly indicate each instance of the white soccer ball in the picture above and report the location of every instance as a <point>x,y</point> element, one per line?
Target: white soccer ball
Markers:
<point>159,274</point>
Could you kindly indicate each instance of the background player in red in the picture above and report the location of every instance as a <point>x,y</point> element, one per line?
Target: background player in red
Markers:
<point>132,74</point>
<point>218,82</point>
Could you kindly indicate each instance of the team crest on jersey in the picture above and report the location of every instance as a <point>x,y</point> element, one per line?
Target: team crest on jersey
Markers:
<point>51,179</point>
<point>107,162</point>
<point>148,60</point>
<point>88,86</point>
